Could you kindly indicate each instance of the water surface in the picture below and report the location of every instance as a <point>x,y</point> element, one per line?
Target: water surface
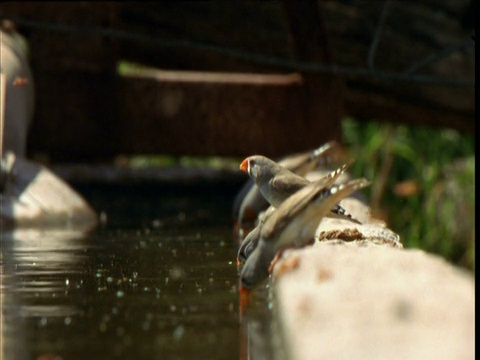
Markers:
<point>157,280</point>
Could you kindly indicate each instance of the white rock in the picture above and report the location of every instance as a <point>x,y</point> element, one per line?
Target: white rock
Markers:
<point>358,300</point>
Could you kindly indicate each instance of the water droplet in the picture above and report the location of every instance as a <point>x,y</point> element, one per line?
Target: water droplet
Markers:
<point>43,321</point>
<point>120,293</point>
<point>176,272</point>
<point>67,321</point>
<point>67,282</point>
<point>178,332</point>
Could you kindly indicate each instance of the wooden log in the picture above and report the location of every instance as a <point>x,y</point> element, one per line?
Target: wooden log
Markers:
<point>176,113</point>
<point>221,114</point>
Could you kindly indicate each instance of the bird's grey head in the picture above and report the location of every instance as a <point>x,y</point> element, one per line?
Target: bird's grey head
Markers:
<point>255,269</point>
<point>259,167</point>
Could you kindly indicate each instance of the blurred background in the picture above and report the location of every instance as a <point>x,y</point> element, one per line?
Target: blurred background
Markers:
<point>146,109</point>
<point>124,88</point>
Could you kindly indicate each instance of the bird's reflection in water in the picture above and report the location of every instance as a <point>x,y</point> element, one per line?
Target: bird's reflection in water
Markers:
<point>258,330</point>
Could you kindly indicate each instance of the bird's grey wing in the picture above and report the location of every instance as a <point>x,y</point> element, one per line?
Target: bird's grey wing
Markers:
<point>329,179</point>
<point>287,183</point>
<point>308,217</point>
<point>288,210</point>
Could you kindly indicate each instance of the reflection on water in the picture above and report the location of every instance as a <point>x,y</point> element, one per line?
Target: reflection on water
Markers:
<point>158,280</point>
<point>130,294</point>
<point>257,329</point>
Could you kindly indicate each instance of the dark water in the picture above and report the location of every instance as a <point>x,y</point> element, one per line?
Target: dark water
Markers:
<point>158,280</point>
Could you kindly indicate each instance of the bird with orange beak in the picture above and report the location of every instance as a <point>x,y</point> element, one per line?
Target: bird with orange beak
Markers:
<point>276,183</point>
<point>293,224</point>
<point>251,240</point>
<point>250,202</point>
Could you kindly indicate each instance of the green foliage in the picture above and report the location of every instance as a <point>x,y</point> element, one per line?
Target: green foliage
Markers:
<point>423,184</point>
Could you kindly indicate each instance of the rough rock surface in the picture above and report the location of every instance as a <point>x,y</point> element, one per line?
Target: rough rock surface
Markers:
<point>362,300</point>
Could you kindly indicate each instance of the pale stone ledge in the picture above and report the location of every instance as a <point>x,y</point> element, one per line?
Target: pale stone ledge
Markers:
<point>361,300</point>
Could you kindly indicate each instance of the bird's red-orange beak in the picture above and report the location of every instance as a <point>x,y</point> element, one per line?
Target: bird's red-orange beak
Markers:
<point>244,165</point>
<point>244,300</point>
